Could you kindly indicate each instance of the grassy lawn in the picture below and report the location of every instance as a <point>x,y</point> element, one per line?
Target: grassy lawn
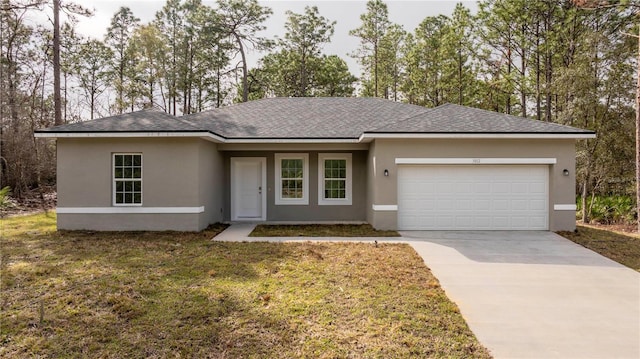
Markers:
<point>622,248</point>
<point>156,295</point>
<point>320,230</point>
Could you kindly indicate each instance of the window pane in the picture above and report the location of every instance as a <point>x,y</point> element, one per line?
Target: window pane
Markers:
<point>137,173</point>
<point>335,189</point>
<point>292,189</point>
<point>342,173</point>
<point>119,198</point>
<point>128,161</point>
<point>128,186</point>
<point>137,198</point>
<point>137,186</point>
<point>137,160</point>
<point>119,186</point>
<point>118,160</point>
<point>117,173</point>
<point>128,198</point>
<point>128,173</point>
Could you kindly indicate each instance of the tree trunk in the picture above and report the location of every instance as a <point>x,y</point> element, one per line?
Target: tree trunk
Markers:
<point>375,68</point>
<point>638,134</point>
<point>56,63</point>
<point>585,218</point>
<point>245,73</point>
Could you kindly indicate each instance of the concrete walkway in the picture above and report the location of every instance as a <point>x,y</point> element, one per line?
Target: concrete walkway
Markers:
<point>525,294</point>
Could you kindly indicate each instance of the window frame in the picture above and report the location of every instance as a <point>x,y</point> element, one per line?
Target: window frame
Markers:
<point>348,200</point>
<point>278,157</point>
<point>114,180</point>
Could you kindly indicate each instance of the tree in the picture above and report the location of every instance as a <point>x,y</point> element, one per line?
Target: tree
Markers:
<point>595,5</point>
<point>334,79</point>
<point>243,20</point>
<point>299,68</point>
<point>56,62</point>
<point>371,32</point>
<point>389,61</point>
<point>305,35</point>
<point>457,47</point>
<point>92,63</point>
<point>423,58</point>
<point>117,38</point>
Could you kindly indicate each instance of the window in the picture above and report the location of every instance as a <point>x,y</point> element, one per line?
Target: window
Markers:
<point>334,179</point>
<point>292,178</point>
<point>127,179</point>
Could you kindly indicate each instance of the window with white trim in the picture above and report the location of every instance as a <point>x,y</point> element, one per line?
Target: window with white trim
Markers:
<point>292,178</point>
<point>127,179</point>
<point>334,179</point>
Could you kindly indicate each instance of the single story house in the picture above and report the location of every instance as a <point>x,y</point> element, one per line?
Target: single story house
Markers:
<point>393,165</point>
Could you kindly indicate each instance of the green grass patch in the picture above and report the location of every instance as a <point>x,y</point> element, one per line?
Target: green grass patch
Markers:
<point>320,230</point>
<point>172,294</point>
<point>624,249</point>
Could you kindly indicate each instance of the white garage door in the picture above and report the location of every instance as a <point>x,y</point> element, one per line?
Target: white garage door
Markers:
<point>480,197</point>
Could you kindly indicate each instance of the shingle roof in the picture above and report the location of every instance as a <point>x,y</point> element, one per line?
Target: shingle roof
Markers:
<point>320,118</point>
<point>302,117</point>
<point>149,120</point>
<point>451,118</point>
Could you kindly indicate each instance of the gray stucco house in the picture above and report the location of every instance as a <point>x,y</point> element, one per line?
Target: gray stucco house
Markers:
<point>394,165</point>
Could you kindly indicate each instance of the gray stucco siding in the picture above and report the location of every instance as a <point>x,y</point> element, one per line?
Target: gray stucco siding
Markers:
<point>312,211</point>
<point>172,173</point>
<point>383,153</point>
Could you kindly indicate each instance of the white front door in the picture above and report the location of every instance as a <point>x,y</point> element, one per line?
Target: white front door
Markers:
<point>248,192</point>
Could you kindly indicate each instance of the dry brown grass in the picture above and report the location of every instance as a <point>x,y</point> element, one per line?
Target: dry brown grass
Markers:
<point>156,295</point>
<point>320,230</point>
<point>620,247</point>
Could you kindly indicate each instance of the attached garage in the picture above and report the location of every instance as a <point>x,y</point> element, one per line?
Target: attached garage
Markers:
<point>473,197</point>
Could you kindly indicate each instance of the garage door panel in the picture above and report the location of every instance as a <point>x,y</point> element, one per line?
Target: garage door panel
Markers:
<point>538,205</point>
<point>473,197</point>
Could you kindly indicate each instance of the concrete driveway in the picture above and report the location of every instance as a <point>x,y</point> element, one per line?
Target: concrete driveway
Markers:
<point>536,294</point>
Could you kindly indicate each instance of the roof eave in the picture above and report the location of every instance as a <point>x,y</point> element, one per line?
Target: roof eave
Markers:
<point>199,134</point>
<point>130,134</point>
<point>369,136</point>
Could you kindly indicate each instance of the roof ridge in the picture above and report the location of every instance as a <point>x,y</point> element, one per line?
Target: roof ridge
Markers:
<point>426,109</point>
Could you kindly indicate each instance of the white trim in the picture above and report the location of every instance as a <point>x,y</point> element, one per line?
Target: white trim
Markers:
<point>278,157</point>
<point>348,182</point>
<point>365,137</point>
<point>565,207</point>
<point>371,136</point>
<point>292,140</point>
<point>475,161</point>
<point>127,135</point>
<point>203,134</point>
<point>263,184</point>
<point>129,210</point>
<point>384,207</point>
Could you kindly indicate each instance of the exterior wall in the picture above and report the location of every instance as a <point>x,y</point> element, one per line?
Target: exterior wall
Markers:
<point>311,212</point>
<point>383,190</point>
<point>211,183</point>
<point>176,173</point>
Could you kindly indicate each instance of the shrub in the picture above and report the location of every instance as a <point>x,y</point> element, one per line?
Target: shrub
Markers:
<point>613,209</point>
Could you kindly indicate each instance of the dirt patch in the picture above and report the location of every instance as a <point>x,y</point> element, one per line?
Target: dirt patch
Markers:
<point>619,228</point>
<point>33,201</point>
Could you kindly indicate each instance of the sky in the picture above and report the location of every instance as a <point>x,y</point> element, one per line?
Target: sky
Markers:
<point>346,13</point>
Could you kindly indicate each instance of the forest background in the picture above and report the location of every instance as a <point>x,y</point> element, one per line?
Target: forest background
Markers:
<point>568,62</point>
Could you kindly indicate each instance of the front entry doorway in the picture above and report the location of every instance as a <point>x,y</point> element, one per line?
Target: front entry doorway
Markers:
<point>248,188</point>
